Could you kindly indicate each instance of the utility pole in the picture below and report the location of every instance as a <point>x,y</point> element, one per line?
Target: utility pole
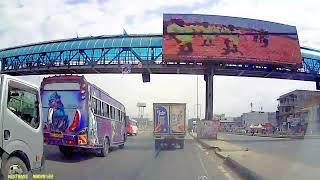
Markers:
<point>197,98</point>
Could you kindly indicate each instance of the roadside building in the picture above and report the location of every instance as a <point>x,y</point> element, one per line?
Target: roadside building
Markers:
<point>255,118</point>
<point>311,116</point>
<point>227,125</point>
<point>238,121</point>
<point>272,119</point>
<point>220,117</point>
<point>290,106</point>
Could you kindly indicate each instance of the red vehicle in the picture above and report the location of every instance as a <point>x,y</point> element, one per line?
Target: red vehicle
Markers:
<point>132,126</point>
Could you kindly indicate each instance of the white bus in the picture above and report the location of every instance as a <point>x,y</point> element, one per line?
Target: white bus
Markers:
<point>21,144</point>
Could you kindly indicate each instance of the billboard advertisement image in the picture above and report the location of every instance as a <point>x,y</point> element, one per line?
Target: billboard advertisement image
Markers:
<point>177,118</point>
<point>161,123</point>
<point>205,38</point>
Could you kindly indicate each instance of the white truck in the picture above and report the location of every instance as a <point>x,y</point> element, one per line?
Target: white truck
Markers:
<point>169,124</point>
<point>21,143</point>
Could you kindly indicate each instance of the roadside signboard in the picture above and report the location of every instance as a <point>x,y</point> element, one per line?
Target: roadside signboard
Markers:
<point>208,129</point>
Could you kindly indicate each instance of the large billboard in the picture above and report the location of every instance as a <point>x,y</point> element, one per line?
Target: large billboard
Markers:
<point>203,38</point>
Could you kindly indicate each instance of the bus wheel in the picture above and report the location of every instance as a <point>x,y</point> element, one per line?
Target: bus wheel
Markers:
<point>121,146</point>
<point>156,145</point>
<point>181,144</point>
<point>105,150</point>
<point>14,165</point>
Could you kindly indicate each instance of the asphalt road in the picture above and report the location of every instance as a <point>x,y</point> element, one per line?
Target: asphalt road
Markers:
<point>305,151</point>
<point>138,160</point>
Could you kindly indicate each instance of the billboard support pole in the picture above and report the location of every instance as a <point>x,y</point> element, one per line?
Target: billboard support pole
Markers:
<point>209,94</point>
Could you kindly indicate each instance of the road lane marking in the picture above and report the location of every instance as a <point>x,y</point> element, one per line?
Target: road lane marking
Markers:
<point>202,178</point>
<point>221,168</point>
<point>202,165</point>
<point>200,147</point>
<point>228,176</point>
<point>207,153</point>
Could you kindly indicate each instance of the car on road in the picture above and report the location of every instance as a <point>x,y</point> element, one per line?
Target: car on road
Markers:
<point>21,145</point>
<point>132,126</point>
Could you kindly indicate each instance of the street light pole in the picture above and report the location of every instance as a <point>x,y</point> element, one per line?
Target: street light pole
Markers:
<point>197,98</point>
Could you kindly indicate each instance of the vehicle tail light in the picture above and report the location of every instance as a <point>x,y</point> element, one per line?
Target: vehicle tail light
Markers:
<point>70,142</point>
<point>76,120</point>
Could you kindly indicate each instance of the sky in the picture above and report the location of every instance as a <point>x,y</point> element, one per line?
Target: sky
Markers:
<point>24,22</point>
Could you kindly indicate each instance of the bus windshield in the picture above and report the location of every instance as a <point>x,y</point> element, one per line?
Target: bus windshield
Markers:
<point>62,86</point>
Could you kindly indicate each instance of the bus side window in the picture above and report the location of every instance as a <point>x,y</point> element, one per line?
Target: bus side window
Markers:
<point>102,109</point>
<point>112,113</point>
<point>23,102</point>
<point>98,107</point>
<point>94,105</point>
<point>108,111</point>
<point>117,115</point>
<point>122,117</point>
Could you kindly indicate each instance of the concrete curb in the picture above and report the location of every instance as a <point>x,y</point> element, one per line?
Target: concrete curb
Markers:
<point>238,168</point>
<point>242,170</point>
<point>204,144</point>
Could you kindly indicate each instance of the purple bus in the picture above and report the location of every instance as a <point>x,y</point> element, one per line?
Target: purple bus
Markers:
<point>78,114</point>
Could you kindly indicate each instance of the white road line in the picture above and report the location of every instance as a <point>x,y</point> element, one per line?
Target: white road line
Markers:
<point>222,169</point>
<point>202,165</point>
<point>207,153</point>
<point>225,173</point>
<point>200,147</point>
<point>228,176</point>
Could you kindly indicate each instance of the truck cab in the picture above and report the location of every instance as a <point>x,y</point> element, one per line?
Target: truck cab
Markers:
<point>21,139</point>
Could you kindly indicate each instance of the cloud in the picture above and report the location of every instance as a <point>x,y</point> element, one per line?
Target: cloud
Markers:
<point>27,21</point>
